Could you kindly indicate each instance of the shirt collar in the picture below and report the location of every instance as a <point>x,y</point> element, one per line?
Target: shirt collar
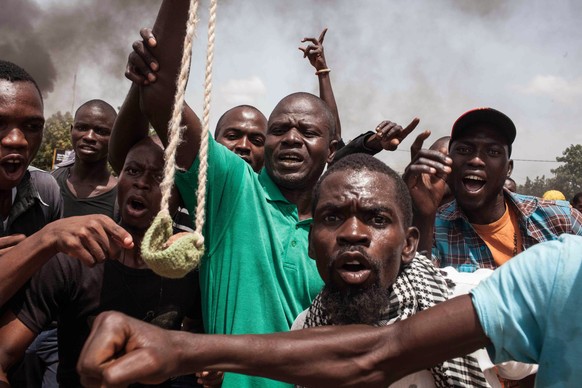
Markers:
<point>272,192</point>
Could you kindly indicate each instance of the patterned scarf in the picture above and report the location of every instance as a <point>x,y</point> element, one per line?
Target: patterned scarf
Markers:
<point>418,286</point>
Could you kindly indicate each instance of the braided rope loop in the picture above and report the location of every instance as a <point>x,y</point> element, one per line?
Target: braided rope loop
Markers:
<point>175,260</point>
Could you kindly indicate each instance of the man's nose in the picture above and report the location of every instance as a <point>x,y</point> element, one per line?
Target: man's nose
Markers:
<point>14,139</point>
<point>353,232</point>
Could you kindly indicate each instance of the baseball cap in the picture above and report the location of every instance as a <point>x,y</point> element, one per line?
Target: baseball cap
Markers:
<point>497,119</point>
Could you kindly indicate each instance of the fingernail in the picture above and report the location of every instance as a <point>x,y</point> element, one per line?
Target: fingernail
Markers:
<point>152,42</point>
<point>154,66</point>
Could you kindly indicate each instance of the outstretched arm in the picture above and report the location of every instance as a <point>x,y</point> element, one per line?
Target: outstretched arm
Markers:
<point>121,350</point>
<point>91,239</point>
<point>314,52</point>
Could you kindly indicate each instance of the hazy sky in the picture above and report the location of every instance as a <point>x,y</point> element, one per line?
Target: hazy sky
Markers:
<point>390,59</point>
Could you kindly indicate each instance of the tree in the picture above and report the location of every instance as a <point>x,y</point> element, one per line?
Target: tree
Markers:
<point>569,175</point>
<point>536,187</point>
<point>56,135</point>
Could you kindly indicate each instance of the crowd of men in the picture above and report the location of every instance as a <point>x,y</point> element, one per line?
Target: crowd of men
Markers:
<point>311,277</point>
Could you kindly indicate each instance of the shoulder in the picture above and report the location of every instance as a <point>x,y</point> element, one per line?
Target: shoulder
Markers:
<point>42,180</point>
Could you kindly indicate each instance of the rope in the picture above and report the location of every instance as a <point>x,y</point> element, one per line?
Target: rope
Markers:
<point>175,259</point>
<point>175,130</point>
<point>203,153</point>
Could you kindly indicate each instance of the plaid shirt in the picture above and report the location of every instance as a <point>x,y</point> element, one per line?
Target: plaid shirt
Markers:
<point>457,244</point>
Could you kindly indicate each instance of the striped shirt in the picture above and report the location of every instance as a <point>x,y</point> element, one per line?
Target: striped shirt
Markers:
<point>457,244</point>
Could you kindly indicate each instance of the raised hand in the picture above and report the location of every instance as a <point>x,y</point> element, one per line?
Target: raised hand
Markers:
<point>426,176</point>
<point>314,51</point>
<point>391,134</point>
<point>141,65</point>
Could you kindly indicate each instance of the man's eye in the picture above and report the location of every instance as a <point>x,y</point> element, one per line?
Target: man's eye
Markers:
<point>131,171</point>
<point>330,218</point>
<point>258,141</point>
<point>231,136</point>
<point>494,152</point>
<point>37,127</point>
<point>380,220</point>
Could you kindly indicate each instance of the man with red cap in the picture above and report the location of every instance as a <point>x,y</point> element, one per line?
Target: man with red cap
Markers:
<point>485,225</point>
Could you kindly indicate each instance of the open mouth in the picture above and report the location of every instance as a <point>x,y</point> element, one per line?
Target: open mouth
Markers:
<point>473,183</point>
<point>353,269</point>
<point>293,158</point>
<point>13,167</point>
<point>136,207</point>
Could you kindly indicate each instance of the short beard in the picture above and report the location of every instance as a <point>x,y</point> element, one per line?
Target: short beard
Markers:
<point>355,306</point>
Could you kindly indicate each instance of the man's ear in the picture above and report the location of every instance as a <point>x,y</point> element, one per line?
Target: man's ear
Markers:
<point>332,149</point>
<point>71,127</point>
<point>411,243</point>
<point>509,167</point>
<point>310,250</point>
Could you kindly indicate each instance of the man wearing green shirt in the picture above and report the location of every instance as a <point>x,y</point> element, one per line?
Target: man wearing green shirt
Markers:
<point>256,276</point>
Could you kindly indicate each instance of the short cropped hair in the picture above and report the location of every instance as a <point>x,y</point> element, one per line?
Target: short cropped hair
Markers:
<point>106,107</point>
<point>360,162</point>
<point>247,107</point>
<point>14,73</point>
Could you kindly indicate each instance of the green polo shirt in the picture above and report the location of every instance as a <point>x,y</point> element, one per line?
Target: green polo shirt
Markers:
<point>256,276</point>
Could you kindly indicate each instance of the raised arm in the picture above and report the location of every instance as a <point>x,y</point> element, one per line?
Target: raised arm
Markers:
<point>153,66</point>
<point>130,127</point>
<point>388,136</point>
<point>426,177</point>
<point>314,52</point>
<point>338,356</point>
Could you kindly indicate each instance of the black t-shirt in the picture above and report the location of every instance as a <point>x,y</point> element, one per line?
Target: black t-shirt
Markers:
<point>73,206</point>
<point>73,294</point>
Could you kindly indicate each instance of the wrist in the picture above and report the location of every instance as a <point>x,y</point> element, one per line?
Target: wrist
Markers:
<point>325,70</point>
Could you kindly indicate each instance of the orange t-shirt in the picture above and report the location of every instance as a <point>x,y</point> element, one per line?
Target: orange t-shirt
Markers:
<point>502,236</point>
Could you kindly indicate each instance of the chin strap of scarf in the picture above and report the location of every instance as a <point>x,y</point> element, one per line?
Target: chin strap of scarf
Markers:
<point>175,260</point>
<point>418,287</point>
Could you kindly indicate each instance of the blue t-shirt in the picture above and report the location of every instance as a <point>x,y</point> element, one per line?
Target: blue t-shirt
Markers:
<point>531,310</point>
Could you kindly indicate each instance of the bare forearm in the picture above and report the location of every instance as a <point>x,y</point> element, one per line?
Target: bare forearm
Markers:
<point>328,356</point>
<point>130,127</point>
<point>326,94</point>
<point>157,99</point>
<point>344,356</point>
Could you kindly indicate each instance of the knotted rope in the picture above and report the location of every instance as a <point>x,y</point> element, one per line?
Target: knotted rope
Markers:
<point>174,260</point>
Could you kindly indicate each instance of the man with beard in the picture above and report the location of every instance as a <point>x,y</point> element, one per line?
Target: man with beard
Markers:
<point>255,276</point>
<point>87,185</point>
<point>364,245</point>
<point>485,225</point>
<point>73,294</point>
<point>518,312</point>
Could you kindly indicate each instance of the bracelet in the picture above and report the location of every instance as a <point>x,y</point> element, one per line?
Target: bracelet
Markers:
<point>322,71</point>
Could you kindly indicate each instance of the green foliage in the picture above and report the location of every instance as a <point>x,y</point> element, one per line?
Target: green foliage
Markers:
<point>569,174</point>
<point>56,135</point>
<point>567,177</point>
